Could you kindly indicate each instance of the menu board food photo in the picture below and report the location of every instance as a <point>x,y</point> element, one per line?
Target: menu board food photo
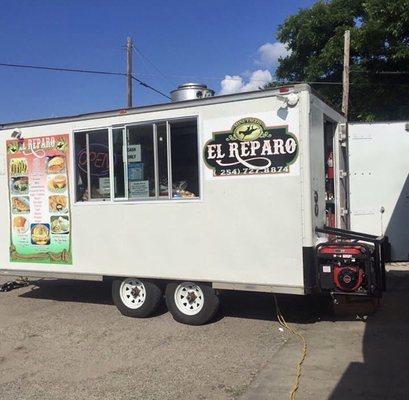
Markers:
<point>40,220</point>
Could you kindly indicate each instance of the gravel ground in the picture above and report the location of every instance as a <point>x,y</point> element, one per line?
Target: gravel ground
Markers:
<point>64,339</point>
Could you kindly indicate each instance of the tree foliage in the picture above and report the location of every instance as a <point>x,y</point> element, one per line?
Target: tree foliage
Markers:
<point>379,54</point>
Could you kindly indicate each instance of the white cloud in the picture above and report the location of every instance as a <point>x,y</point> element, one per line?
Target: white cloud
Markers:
<point>267,58</point>
<point>269,53</point>
<point>231,84</point>
<point>235,84</point>
<point>257,79</point>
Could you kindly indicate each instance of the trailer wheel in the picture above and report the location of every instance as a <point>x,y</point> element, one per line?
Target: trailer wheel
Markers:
<point>136,298</point>
<point>191,303</point>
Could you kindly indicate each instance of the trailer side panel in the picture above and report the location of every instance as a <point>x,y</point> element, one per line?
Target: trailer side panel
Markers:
<point>242,229</point>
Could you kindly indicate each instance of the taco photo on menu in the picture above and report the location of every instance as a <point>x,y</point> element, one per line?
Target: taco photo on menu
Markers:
<point>55,164</point>
<point>20,204</point>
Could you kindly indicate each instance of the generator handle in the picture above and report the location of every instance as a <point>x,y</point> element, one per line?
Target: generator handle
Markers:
<point>351,234</point>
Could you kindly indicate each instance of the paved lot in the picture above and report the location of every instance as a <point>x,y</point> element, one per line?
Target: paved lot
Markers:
<point>348,358</point>
<point>63,339</point>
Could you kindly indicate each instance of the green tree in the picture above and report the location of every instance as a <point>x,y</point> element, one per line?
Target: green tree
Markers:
<point>379,54</point>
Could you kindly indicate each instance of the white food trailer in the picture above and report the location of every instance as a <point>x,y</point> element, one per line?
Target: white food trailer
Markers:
<point>235,192</point>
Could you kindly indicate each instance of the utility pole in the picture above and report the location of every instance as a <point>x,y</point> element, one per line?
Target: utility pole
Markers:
<point>345,75</point>
<point>129,70</point>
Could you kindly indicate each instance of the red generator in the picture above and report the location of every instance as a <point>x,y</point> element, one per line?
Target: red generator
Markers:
<point>351,265</point>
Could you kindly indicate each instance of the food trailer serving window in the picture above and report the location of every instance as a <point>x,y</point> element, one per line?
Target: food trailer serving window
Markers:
<point>138,162</point>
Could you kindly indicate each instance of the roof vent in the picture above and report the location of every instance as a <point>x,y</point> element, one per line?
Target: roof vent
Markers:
<point>191,91</point>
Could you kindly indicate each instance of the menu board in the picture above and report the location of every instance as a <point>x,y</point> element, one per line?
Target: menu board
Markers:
<point>40,219</point>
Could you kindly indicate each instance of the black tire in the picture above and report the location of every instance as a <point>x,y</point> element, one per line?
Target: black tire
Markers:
<point>153,297</point>
<point>207,311</point>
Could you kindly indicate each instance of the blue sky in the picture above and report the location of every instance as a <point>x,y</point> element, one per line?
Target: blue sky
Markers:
<point>187,40</point>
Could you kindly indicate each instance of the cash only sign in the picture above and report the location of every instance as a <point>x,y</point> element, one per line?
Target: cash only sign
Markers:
<point>251,148</point>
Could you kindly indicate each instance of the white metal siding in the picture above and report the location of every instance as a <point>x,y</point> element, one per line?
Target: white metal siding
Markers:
<point>243,230</point>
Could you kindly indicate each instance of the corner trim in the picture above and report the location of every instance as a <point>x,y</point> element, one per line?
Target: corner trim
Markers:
<point>310,270</point>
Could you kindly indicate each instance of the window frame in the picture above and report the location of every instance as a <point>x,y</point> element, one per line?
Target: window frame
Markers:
<point>87,131</point>
<point>111,161</point>
<point>124,127</point>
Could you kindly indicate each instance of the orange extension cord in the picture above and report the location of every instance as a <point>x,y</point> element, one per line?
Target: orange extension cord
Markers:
<point>285,325</point>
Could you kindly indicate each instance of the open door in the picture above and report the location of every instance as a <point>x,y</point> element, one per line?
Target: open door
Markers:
<point>341,177</point>
<point>329,132</point>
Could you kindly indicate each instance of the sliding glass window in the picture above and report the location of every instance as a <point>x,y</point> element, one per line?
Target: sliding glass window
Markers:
<point>151,161</point>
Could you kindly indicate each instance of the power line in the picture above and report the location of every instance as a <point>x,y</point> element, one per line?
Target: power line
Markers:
<point>340,83</point>
<point>91,71</point>
<point>166,77</point>
<point>150,87</point>
<point>84,71</point>
<point>202,78</point>
<point>232,78</point>
<point>154,76</point>
<point>382,72</point>
<point>99,72</point>
<point>357,83</point>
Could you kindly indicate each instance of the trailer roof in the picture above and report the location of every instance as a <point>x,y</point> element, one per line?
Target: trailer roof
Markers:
<point>159,107</point>
<point>393,121</point>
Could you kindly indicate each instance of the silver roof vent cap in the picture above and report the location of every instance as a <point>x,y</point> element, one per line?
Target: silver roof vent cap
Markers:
<point>191,91</point>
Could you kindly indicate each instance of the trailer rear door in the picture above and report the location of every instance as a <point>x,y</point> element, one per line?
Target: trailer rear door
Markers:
<point>379,195</point>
